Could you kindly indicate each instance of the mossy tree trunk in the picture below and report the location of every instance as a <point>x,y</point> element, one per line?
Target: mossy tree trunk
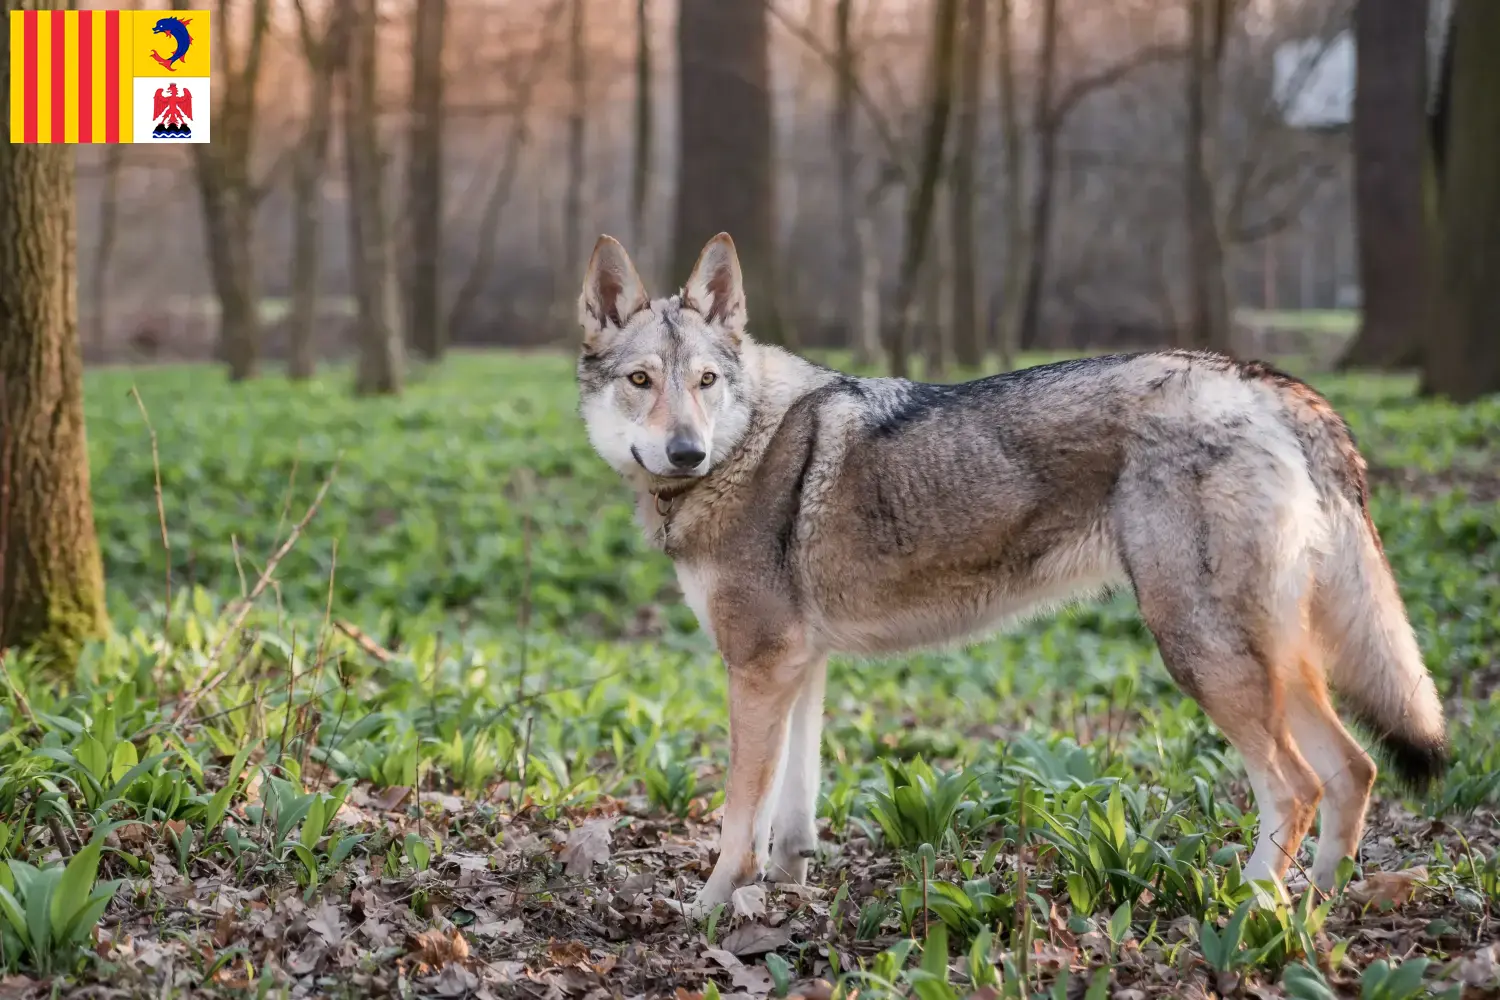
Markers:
<point>51,576</point>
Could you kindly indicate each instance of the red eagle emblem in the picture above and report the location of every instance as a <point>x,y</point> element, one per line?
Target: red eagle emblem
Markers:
<point>173,113</point>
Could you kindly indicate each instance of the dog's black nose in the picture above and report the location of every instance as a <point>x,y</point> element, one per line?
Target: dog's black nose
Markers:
<point>684,452</point>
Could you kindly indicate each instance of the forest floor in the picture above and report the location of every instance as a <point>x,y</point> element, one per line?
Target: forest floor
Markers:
<point>414,712</point>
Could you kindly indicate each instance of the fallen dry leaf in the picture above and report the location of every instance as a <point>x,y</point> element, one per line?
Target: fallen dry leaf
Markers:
<point>568,953</point>
<point>453,981</point>
<point>749,901</point>
<point>1389,889</point>
<point>435,948</point>
<point>726,959</point>
<point>1482,969</point>
<point>389,799</point>
<point>753,979</point>
<point>755,939</point>
<point>812,989</point>
<point>499,928</point>
<point>586,845</point>
<point>328,923</point>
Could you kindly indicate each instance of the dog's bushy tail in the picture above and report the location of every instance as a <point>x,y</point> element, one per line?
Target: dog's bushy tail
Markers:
<point>1371,653</point>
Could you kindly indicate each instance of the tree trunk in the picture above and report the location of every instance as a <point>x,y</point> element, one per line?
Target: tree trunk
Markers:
<point>640,177</point>
<point>850,295</point>
<point>1017,236</point>
<point>938,305</point>
<point>104,249</point>
<point>1208,319</point>
<point>51,577</point>
<point>922,195</point>
<point>324,51</point>
<point>381,354</point>
<point>229,225</point>
<point>968,333</point>
<point>867,344</point>
<point>725,176</point>
<point>1389,144</point>
<point>572,226</point>
<point>424,192</point>
<point>1048,125</point>
<point>230,197</point>
<point>1463,354</point>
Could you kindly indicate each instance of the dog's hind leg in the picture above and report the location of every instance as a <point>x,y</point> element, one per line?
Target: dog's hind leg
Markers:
<point>1224,593</point>
<point>794,830</point>
<point>762,691</point>
<point>1344,768</point>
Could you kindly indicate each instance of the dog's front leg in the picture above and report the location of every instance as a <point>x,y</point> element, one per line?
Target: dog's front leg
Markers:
<point>761,694</point>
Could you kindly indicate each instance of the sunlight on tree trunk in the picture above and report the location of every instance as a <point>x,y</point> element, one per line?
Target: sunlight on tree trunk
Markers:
<point>381,353</point>
<point>922,196</point>
<point>424,179</point>
<point>1463,354</point>
<point>725,166</point>
<point>51,577</point>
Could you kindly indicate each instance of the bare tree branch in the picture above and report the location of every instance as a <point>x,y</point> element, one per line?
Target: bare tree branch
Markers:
<point>1067,102</point>
<point>894,147</point>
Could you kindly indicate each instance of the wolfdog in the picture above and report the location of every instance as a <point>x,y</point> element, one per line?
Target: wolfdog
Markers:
<point>809,512</point>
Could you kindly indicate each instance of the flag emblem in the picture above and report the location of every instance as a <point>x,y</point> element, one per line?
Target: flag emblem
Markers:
<point>173,113</point>
<point>109,76</point>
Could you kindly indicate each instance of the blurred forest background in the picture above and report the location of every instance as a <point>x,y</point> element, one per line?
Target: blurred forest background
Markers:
<point>935,181</point>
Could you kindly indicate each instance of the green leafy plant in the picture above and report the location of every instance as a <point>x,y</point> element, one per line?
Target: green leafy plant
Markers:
<point>919,804</point>
<point>50,912</point>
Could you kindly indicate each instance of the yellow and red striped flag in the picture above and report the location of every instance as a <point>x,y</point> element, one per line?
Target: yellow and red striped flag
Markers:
<point>109,76</point>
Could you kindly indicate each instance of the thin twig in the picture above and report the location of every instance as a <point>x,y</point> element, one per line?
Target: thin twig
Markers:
<point>15,692</point>
<point>291,697</point>
<point>190,700</point>
<point>1023,921</point>
<point>239,565</point>
<point>161,510</point>
<point>59,836</point>
<point>286,499</point>
<point>895,149</point>
<point>524,622</point>
<point>364,642</point>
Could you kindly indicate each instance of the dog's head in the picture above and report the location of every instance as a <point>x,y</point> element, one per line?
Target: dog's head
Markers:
<point>661,384</point>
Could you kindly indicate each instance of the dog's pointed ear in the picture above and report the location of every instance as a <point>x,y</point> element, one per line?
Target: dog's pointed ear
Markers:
<point>612,293</point>
<point>716,289</point>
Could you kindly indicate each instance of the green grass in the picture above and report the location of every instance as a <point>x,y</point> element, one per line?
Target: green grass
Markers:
<point>1339,321</point>
<point>471,613</point>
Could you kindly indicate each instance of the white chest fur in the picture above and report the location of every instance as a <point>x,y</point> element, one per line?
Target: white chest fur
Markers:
<point>697,583</point>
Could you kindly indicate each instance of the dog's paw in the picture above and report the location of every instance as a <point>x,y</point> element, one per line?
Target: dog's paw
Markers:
<point>789,865</point>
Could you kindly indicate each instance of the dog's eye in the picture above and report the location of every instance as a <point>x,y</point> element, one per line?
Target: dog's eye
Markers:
<point>708,379</point>
<point>640,379</point>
